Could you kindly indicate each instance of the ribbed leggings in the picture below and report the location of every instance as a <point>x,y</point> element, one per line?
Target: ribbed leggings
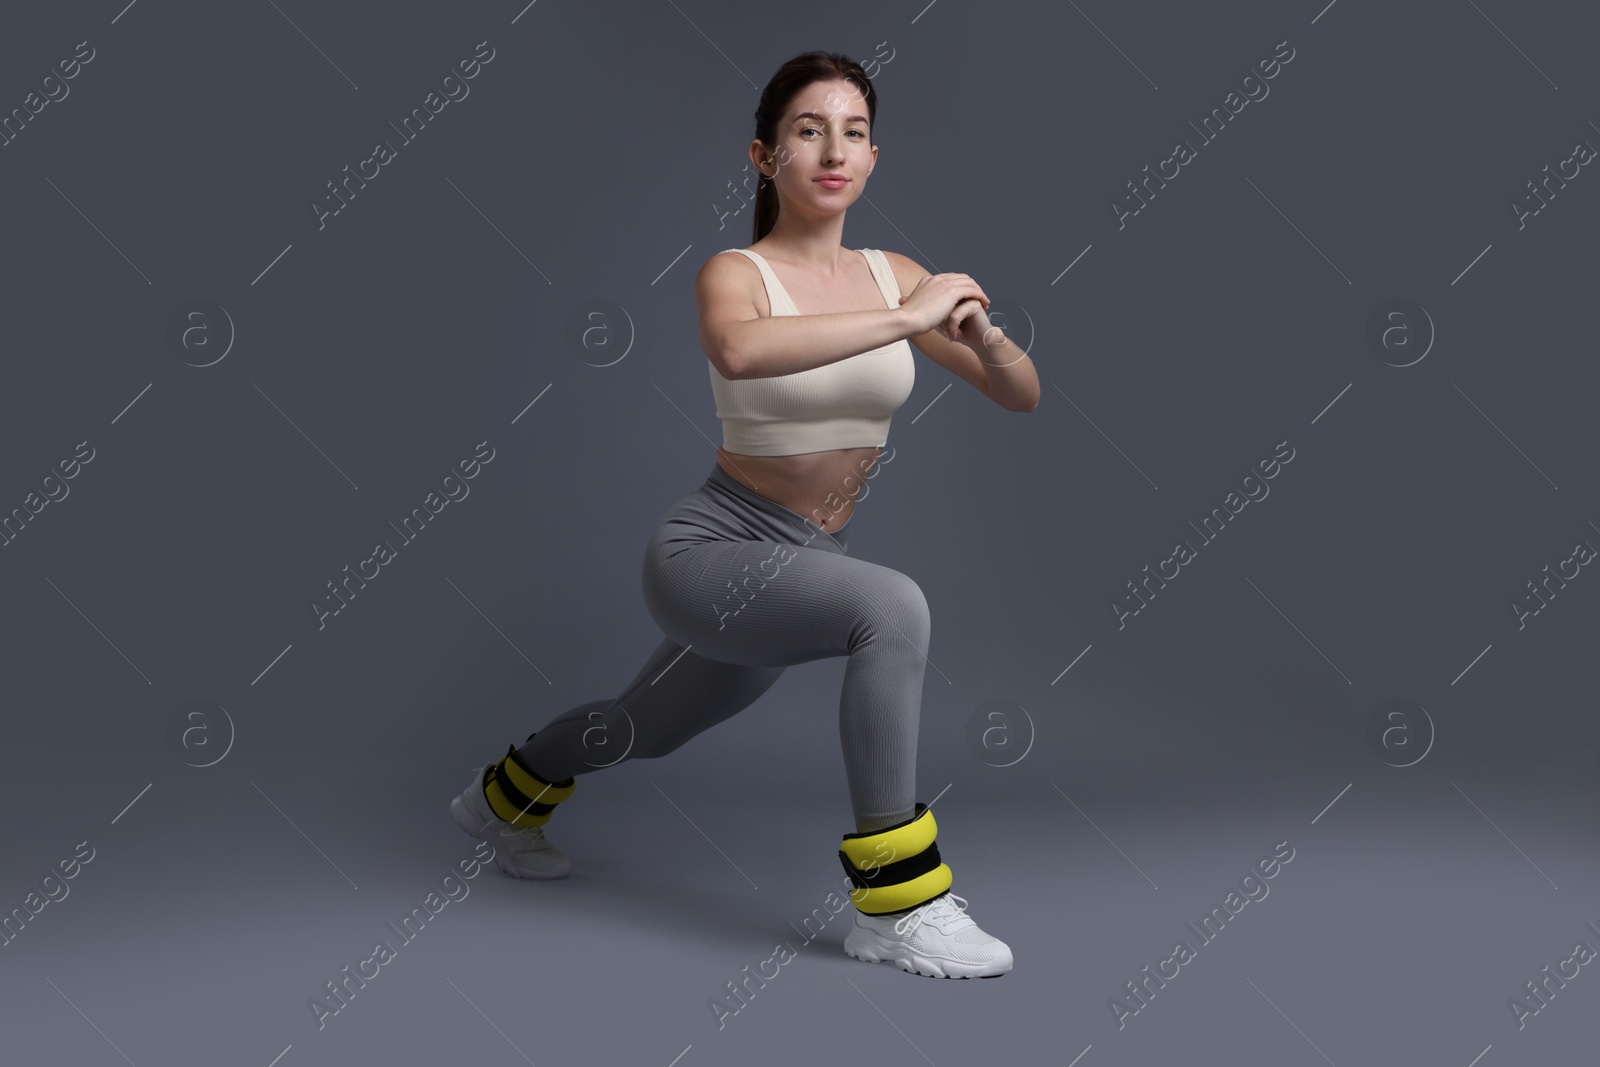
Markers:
<point>743,588</point>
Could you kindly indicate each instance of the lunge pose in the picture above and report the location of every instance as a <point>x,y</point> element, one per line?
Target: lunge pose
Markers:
<point>809,348</point>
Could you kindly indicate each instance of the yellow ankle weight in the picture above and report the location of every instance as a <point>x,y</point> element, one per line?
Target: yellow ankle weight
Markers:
<point>519,796</point>
<point>896,868</point>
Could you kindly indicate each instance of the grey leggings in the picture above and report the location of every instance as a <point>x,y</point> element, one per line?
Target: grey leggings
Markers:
<point>742,587</point>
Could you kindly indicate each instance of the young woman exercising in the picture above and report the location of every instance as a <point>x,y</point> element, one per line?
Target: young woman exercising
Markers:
<point>749,574</point>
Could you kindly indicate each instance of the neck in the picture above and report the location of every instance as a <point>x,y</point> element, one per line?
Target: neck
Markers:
<point>816,245</point>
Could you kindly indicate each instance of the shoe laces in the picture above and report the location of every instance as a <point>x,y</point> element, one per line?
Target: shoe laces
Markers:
<point>526,835</point>
<point>948,913</point>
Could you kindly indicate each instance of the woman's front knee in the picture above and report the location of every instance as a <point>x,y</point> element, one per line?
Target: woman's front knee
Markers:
<point>898,601</point>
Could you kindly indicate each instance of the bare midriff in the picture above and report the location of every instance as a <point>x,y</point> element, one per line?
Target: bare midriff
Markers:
<point>822,487</point>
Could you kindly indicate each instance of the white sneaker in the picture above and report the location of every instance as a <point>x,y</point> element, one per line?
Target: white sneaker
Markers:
<point>937,940</point>
<point>521,852</point>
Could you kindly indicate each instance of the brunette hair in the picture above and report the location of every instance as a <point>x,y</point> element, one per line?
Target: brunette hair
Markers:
<point>785,84</point>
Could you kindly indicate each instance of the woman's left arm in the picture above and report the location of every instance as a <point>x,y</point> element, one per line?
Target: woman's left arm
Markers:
<point>981,354</point>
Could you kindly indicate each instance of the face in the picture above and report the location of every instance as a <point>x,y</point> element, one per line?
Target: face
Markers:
<point>824,131</point>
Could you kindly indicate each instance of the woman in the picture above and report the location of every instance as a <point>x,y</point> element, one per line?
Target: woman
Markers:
<point>749,574</point>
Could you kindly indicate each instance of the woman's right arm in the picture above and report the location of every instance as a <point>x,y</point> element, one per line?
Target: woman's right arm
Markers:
<point>742,344</point>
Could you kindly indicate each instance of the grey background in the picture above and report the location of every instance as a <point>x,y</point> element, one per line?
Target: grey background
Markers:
<point>593,160</point>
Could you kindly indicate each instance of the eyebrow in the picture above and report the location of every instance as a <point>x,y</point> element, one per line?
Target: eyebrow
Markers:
<point>814,115</point>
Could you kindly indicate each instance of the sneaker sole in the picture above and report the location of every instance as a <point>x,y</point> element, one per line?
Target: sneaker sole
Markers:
<point>868,948</point>
<point>467,821</point>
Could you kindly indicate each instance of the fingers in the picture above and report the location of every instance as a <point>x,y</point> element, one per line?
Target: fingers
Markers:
<point>964,283</point>
<point>959,314</point>
<point>961,290</point>
<point>956,318</point>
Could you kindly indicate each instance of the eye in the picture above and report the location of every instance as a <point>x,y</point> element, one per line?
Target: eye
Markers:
<point>814,129</point>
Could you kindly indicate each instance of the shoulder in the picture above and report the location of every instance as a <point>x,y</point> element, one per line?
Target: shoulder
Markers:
<point>907,271</point>
<point>722,269</point>
<point>729,284</point>
<point>727,255</point>
<point>729,260</point>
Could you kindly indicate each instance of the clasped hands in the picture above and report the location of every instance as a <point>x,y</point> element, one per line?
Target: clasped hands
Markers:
<point>956,307</point>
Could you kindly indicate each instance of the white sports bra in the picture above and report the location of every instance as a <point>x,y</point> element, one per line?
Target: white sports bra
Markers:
<point>844,404</point>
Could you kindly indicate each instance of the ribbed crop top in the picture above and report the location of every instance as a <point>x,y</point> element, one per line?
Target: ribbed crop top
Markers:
<point>844,404</point>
